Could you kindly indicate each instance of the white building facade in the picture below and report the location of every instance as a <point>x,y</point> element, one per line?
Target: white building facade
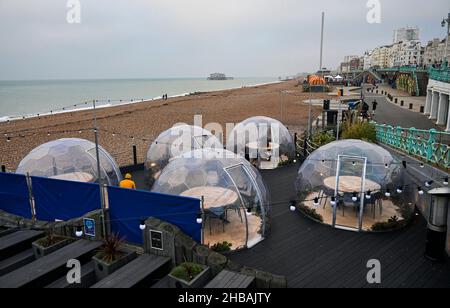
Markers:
<point>406,34</point>
<point>381,57</point>
<point>438,102</point>
<point>407,53</point>
<point>434,52</point>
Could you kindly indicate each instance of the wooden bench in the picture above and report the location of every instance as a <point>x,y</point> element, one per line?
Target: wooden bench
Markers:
<point>231,280</point>
<point>137,273</point>
<point>17,242</point>
<point>87,279</point>
<point>16,261</point>
<point>45,270</point>
<point>6,232</point>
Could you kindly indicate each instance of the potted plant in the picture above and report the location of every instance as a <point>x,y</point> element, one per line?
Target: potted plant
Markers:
<point>189,276</point>
<point>48,244</point>
<point>222,247</point>
<point>111,256</point>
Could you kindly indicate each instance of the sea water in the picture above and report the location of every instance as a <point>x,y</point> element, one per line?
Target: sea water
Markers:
<point>29,98</point>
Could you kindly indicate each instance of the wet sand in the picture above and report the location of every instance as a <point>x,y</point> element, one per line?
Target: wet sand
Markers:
<point>146,120</point>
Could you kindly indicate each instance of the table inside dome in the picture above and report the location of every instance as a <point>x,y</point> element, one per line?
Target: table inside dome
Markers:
<point>256,146</point>
<point>214,197</point>
<point>350,184</point>
<point>75,176</point>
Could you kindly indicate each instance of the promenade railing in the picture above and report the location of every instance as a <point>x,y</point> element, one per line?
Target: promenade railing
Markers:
<point>431,146</point>
<point>440,74</point>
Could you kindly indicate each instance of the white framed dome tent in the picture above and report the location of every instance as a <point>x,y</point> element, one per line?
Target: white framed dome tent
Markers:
<point>173,142</point>
<point>263,141</point>
<point>355,185</point>
<point>71,159</point>
<point>235,202</point>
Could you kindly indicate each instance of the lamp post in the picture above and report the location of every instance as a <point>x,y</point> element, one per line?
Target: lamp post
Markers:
<point>446,21</point>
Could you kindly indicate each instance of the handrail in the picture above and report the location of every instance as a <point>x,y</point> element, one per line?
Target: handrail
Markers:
<point>432,146</point>
<point>440,74</point>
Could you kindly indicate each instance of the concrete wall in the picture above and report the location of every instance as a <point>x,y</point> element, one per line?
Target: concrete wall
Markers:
<point>66,228</point>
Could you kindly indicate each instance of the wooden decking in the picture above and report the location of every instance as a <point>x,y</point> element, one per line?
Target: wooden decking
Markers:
<point>16,242</point>
<point>230,280</point>
<point>41,272</point>
<point>136,273</point>
<point>313,255</point>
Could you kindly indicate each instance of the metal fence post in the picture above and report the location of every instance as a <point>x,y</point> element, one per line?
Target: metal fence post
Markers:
<point>295,142</point>
<point>135,155</point>
<point>398,137</point>
<point>31,196</point>
<point>410,140</point>
<point>305,148</point>
<point>430,144</point>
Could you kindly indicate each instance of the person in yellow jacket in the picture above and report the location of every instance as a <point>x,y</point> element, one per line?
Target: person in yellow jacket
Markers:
<point>127,182</point>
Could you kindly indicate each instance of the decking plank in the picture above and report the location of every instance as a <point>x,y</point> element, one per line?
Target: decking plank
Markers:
<point>16,261</point>
<point>16,242</point>
<point>312,255</point>
<point>36,273</point>
<point>230,280</point>
<point>134,272</point>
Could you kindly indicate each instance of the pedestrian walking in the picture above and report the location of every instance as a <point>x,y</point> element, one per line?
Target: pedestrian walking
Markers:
<point>374,107</point>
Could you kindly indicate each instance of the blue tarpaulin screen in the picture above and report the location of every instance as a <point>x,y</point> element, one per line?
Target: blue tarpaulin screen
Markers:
<point>14,196</point>
<point>128,207</point>
<point>64,200</point>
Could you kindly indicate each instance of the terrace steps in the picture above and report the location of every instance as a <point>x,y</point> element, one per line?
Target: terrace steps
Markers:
<point>16,242</point>
<point>46,269</point>
<point>139,272</point>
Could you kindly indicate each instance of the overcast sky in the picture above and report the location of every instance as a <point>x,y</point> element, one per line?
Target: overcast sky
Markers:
<point>192,38</point>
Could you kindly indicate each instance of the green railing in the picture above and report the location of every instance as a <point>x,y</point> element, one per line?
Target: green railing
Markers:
<point>440,74</point>
<point>431,146</point>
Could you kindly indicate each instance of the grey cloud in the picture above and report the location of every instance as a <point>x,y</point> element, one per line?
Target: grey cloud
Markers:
<point>182,38</point>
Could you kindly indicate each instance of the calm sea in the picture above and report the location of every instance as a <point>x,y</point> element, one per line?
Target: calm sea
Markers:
<point>23,98</point>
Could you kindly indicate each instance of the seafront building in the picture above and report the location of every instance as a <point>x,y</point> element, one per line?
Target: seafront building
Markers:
<point>406,34</point>
<point>406,50</point>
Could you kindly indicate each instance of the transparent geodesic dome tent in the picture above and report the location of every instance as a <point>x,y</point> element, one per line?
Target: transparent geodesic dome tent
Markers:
<point>236,200</point>
<point>70,159</point>
<point>264,141</point>
<point>373,192</point>
<point>174,142</point>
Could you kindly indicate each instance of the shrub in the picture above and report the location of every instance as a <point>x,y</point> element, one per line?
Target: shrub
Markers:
<point>310,212</point>
<point>187,271</point>
<point>111,249</point>
<point>392,224</point>
<point>323,138</point>
<point>221,247</point>
<point>360,130</point>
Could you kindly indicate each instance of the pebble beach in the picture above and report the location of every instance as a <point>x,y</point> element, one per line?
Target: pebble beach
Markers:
<point>146,120</point>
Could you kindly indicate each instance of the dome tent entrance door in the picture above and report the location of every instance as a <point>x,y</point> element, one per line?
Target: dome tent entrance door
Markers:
<point>349,192</point>
<point>250,197</point>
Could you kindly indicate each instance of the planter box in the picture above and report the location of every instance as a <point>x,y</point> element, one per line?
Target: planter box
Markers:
<point>198,282</point>
<point>40,251</point>
<point>103,269</point>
